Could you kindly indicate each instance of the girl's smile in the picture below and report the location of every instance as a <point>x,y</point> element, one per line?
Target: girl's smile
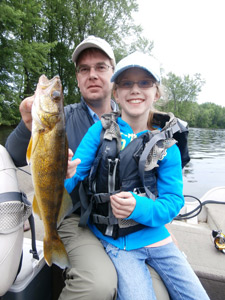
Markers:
<point>135,101</point>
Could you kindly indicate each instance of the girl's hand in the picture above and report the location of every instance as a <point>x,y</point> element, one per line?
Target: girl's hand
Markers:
<point>72,165</point>
<point>122,204</point>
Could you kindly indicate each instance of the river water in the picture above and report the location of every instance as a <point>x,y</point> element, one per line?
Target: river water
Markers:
<point>207,166</point>
<point>206,169</point>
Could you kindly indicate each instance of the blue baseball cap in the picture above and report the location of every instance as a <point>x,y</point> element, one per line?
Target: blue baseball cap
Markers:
<point>138,60</point>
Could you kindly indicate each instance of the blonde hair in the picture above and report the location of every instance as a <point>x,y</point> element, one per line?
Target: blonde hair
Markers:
<point>150,119</point>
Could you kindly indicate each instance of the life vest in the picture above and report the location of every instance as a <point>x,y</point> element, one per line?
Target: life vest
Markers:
<point>132,169</point>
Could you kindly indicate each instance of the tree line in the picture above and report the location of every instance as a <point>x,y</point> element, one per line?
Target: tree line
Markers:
<point>181,99</point>
<point>206,115</point>
<point>39,36</point>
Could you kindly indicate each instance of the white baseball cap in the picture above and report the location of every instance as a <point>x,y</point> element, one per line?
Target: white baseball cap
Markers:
<point>94,42</point>
<point>138,60</point>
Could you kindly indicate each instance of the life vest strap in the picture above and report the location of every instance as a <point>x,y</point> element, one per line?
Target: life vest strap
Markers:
<point>113,163</point>
<point>100,198</point>
<point>163,135</point>
<point>99,219</point>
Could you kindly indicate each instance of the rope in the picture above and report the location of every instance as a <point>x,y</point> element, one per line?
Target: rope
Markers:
<point>198,208</point>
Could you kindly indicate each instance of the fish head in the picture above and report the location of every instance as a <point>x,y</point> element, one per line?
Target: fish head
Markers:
<point>47,109</point>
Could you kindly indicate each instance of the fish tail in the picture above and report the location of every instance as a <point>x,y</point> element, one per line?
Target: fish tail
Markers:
<point>55,252</point>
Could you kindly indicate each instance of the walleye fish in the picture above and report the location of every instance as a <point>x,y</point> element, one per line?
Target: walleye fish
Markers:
<point>48,153</point>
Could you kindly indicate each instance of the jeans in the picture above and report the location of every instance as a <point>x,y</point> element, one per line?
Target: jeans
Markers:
<point>134,280</point>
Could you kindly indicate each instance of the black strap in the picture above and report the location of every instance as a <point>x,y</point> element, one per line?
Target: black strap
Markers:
<point>104,197</point>
<point>101,198</point>
<point>99,219</point>
<point>112,168</point>
<point>87,201</point>
<point>32,226</point>
<point>33,237</point>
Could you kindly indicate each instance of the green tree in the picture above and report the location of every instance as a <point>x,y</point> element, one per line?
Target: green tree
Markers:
<point>9,19</point>
<point>210,115</point>
<point>39,36</point>
<point>69,22</point>
<point>182,92</point>
<point>24,49</point>
<point>204,119</point>
<point>182,89</point>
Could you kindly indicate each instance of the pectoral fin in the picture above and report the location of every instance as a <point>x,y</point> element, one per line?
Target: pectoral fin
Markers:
<point>66,207</point>
<point>29,149</point>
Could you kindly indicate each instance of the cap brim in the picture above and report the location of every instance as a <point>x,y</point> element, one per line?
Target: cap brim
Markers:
<point>120,71</point>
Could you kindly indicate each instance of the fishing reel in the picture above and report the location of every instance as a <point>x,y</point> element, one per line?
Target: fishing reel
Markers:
<point>219,240</point>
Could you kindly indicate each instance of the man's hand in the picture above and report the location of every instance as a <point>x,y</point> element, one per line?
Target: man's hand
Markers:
<point>122,204</point>
<point>25,111</point>
<point>72,165</point>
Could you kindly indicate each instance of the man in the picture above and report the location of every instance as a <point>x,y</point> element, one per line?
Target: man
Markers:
<point>92,275</point>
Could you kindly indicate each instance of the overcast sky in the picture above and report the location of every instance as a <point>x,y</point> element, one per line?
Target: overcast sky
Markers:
<point>189,38</point>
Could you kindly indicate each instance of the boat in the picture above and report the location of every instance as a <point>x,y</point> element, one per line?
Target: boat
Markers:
<point>201,238</point>
<point>193,230</point>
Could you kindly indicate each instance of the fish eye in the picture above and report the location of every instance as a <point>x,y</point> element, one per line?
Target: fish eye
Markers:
<point>56,94</point>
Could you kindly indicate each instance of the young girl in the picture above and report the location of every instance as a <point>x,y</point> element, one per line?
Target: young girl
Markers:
<point>130,224</point>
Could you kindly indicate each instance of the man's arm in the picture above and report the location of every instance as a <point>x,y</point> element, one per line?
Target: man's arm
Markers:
<point>16,144</point>
<point>17,141</point>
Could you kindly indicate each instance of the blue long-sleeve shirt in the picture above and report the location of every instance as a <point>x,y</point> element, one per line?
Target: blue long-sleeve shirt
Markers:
<point>153,214</point>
